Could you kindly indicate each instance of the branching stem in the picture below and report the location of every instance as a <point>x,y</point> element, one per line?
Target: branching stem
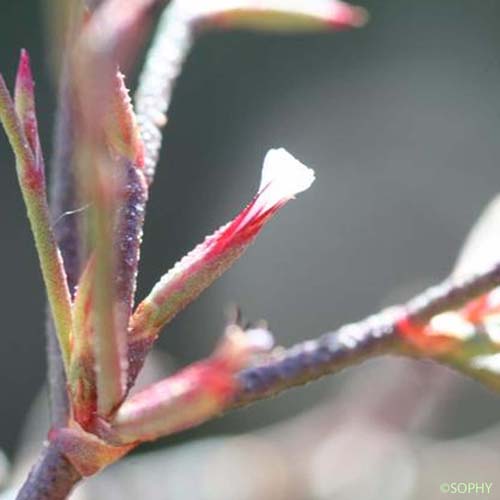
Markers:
<point>351,344</point>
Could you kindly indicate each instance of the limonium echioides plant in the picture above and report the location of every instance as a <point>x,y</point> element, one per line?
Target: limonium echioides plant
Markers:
<point>106,152</point>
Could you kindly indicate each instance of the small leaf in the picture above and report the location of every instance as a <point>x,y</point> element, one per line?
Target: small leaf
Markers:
<point>122,132</point>
<point>478,252</point>
<point>24,98</point>
<point>32,183</point>
<point>480,248</point>
<point>282,177</point>
<point>280,15</point>
<point>101,185</point>
<point>110,337</point>
<point>82,377</point>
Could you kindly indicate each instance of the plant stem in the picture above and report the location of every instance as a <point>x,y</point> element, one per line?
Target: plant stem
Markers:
<point>63,200</point>
<point>169,49</point>
<point>56,377</point>
<point>63,192</point>
<point>351,344</point>
<point>64,214</point>
<point>51,478</point>
<point>32,184</point>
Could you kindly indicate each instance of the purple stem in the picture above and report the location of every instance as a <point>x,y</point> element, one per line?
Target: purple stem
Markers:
<point>51,478</point>
<point>378,334</point>
<point>56,377</point>
<point>62,199</point>
<point>312,359</point>
<point>131,221</point>
<point>63,185</point>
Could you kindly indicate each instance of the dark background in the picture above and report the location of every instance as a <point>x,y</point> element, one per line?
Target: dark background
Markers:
<point>400,120</point>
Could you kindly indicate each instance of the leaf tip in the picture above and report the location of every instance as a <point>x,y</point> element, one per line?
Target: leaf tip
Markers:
<point>24,80</point>
<point>349,16</point>
<point>122,129</point>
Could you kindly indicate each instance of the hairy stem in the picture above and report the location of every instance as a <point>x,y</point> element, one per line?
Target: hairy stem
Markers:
<point>32,184</point>
<point>351,344</point>
<point>169,49</point>
<point>379,334</point>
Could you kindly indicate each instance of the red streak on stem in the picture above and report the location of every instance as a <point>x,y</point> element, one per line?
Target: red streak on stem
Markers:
<point>422,338</point>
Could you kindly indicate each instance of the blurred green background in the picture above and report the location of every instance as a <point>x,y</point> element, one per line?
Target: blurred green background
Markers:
<point>400,120</point>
